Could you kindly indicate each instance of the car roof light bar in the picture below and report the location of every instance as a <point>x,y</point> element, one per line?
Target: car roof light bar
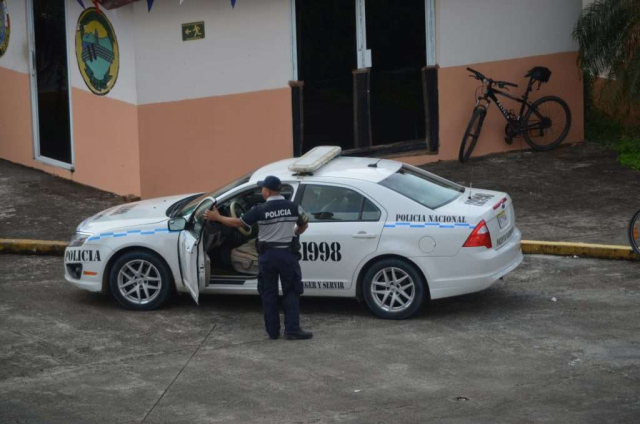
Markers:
<point>315,159</point>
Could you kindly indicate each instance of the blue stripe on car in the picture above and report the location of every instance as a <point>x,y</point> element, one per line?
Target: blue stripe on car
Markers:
<point>128,233</point>
<point>427,224</point>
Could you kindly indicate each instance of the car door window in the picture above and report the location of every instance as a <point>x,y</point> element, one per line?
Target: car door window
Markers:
<point>198,217</point>
<point>369,211</point>
<point>337,204</point>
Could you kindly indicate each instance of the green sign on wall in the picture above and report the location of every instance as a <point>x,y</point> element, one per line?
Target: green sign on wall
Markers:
<point>193,31</point>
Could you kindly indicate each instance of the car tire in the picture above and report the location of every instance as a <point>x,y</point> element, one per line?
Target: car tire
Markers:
<point>393,289</point>
<point>140,281</point>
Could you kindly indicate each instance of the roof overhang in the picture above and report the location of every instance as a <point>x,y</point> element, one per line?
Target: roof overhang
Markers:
<point>114,4</point>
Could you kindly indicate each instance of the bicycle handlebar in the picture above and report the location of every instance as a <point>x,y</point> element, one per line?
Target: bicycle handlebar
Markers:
<point>479,76</point>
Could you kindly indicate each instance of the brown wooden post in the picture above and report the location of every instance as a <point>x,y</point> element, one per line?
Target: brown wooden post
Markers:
<point>297,110</point>
<point>431,109</point>
<point>361,108</point>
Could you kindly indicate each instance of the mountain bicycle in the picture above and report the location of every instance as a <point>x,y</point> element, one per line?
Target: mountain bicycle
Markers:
<point>544,123</point>
<point>634,232</point>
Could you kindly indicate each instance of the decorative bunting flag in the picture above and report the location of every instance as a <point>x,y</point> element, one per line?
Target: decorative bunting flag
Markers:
<point>81,4</point>
<point>149,4</point>
<point>233,3</point>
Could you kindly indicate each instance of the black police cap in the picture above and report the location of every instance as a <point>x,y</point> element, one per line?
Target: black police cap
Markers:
<point>271,182</point>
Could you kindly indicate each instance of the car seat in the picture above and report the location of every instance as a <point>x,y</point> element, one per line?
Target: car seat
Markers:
<point>244,259</point>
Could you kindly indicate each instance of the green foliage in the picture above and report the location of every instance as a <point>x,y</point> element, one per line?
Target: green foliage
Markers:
<point>608,32</point>
<point>612,133</point>
<point>629,150</point>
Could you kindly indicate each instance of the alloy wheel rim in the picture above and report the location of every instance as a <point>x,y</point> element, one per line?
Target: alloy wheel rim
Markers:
<point>139,281</point>
<point>393,290</point>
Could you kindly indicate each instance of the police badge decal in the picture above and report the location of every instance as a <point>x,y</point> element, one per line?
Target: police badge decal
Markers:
<point>5,27</point>
<point>97,51</point>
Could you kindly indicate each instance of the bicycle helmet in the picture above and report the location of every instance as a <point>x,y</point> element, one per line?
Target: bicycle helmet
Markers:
<point>539,73</point>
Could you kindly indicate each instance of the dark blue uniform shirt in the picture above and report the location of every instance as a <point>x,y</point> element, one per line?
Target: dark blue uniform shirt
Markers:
<point>276,218</point>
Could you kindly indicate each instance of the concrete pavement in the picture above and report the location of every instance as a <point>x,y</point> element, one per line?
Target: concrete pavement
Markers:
<point>509,354</point>
<point>39,206</point>
<point>575,194</point>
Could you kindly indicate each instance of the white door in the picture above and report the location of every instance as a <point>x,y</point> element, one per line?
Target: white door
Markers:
<point>344,227</point>
<point>193,260</point>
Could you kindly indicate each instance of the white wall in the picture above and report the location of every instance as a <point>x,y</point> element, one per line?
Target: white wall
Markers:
<point>16,57</point>
<point>245,49</point>
<point>473,31</point>
<point>248,48</point>
<point>123,23</point>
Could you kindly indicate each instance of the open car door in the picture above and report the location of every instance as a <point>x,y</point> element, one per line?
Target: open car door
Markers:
<point>193,259</point>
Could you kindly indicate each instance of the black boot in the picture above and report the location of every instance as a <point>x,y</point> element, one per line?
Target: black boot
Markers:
<point>298,335</point>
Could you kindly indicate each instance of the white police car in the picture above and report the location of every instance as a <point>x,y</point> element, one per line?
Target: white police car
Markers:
<point>391,234</point>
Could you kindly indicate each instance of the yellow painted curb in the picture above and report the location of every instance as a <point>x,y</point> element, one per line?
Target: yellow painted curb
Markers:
<point>583,250</point>
<point>32,247</point>
<point>530,247</point>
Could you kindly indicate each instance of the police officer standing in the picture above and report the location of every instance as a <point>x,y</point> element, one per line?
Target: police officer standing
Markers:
<point>280,222</point>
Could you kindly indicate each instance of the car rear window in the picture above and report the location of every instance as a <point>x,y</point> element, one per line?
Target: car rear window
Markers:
<point>427,189</point>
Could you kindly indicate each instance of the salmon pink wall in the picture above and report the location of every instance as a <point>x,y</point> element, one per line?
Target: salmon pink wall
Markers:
<point>16,142</point>
<point>201,144</point>
<point>156,149</point>
<point>105,136</point>
<point>456,102</point>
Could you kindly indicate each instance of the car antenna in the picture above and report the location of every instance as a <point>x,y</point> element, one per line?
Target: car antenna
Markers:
<point>374,165</point>
<point>470,174</point>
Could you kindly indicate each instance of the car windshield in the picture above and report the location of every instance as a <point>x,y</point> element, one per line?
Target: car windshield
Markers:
<point>425,188</point>
<point>189,207</point>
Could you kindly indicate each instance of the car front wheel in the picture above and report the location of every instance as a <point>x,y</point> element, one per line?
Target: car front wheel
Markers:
<point>140,280</point>
<point>393,289</point>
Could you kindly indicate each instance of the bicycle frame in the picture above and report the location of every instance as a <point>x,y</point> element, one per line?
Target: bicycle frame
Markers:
<point>490,94</point>
<point>534,122</point>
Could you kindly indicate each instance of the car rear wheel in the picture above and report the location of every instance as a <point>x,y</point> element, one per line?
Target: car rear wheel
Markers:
<point>393,289</point>
<point>140,280</point>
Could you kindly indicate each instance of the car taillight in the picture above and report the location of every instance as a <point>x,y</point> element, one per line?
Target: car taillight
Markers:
<point>479,237</point>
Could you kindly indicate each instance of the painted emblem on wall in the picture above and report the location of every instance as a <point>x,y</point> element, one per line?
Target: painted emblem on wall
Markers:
<point>5,27</point>
<point>97,51</point>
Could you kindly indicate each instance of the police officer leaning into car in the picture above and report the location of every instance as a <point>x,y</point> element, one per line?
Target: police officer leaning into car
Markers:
<point>280,221</point>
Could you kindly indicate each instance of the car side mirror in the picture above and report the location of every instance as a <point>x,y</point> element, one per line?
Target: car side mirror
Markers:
<point>177,224</point>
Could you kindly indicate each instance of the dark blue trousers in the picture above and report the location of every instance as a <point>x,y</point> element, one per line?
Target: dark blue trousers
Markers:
<point>281,263</point>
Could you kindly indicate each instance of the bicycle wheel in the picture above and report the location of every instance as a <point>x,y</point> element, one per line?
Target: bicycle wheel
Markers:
<point>546,123</point>
<point>634,232</point>
<point>472,133</point>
